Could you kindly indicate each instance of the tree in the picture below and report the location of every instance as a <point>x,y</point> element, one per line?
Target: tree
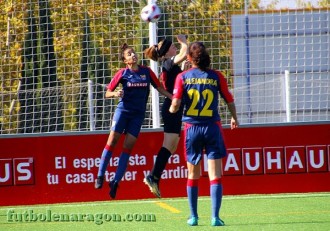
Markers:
<point>29,111</point>
<point>94,67</point>
<point>51,101</point>
<point>324,3</point>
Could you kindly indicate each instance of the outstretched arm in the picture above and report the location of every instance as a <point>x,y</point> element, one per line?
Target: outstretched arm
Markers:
<point>162,91</point>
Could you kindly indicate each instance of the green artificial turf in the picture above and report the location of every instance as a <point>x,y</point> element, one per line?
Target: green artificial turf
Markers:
<point>248,212</point>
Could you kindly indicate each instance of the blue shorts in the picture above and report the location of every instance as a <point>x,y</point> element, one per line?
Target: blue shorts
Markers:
<point>204,137</point>
<point>127,122</point>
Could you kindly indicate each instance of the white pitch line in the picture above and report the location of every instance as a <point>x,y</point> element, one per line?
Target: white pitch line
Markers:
<point>144,201</point>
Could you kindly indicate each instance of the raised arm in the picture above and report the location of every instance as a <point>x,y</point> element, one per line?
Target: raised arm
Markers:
<point>183,50</point>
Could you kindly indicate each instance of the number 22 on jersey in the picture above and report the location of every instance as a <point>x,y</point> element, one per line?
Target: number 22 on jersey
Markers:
<point>207,98</point>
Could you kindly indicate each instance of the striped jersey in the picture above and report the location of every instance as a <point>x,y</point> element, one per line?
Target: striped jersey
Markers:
<point>199,91</point>
<point>136,86</point>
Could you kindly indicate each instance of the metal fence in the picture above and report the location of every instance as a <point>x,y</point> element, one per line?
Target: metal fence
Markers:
<point>57,57</point>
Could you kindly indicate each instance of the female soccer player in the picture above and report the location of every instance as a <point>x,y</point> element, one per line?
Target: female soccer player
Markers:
<point>199,89</point>
<point>165,52</point>
<point>129,114</point>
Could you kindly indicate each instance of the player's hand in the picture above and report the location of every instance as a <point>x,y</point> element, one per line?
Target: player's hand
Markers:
<point>233,123</point>
<point>182,38</point>
<point>172,109</point>
<point>120,93</point>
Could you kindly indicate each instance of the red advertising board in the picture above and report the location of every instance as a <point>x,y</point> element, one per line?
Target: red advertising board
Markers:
<point>62,168</point>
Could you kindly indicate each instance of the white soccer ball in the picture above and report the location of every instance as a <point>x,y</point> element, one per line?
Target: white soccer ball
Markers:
<point>150,13</point>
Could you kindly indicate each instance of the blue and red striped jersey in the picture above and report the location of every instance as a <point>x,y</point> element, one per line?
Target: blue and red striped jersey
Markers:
<point>199,91</point>
<point>136,86</point>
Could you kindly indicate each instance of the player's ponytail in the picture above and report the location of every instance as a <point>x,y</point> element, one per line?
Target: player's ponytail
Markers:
<point>158,51</point>
<point>151,53</point>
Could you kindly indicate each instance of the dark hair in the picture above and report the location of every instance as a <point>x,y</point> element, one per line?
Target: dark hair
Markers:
<point>123,48</point>
<point>157,51</point>
<point>199,55</point>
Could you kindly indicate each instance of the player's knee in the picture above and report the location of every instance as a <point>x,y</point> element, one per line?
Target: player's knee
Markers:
<point>112,142</point>
<point>195,174</point>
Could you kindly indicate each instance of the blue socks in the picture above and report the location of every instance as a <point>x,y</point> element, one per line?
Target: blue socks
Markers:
<point>122,165</point>
<point>105,158</point>
<point>215,193</point>
<point>216,196</point>
<point>192,192</point>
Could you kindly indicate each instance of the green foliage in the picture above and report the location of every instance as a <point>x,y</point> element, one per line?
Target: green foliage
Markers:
<point>112,23</point>
<point>324,3</point>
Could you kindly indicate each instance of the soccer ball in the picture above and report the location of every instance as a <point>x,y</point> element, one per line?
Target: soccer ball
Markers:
<point>150,13</point>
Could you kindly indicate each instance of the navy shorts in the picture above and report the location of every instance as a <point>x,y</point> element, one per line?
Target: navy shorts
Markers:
<point>172,121</point>
<point>200,137</point>
<point>127,122</point>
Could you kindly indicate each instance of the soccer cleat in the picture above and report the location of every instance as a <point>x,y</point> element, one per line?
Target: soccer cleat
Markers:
<point>99,182</point>
<point>217,222</point>
<point>192,221</point>
<point>152,184</point>
<point>113,188</point>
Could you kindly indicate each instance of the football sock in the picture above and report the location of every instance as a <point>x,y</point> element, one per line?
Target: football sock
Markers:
<point>216,196</point>
<point>192,192</point>
<point>105,158</point>
<point>122,165</point>
<point>161,160</point>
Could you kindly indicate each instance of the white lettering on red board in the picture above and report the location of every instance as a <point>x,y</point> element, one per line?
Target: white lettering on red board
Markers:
<point>16,171</point>
<point>277,160</point>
